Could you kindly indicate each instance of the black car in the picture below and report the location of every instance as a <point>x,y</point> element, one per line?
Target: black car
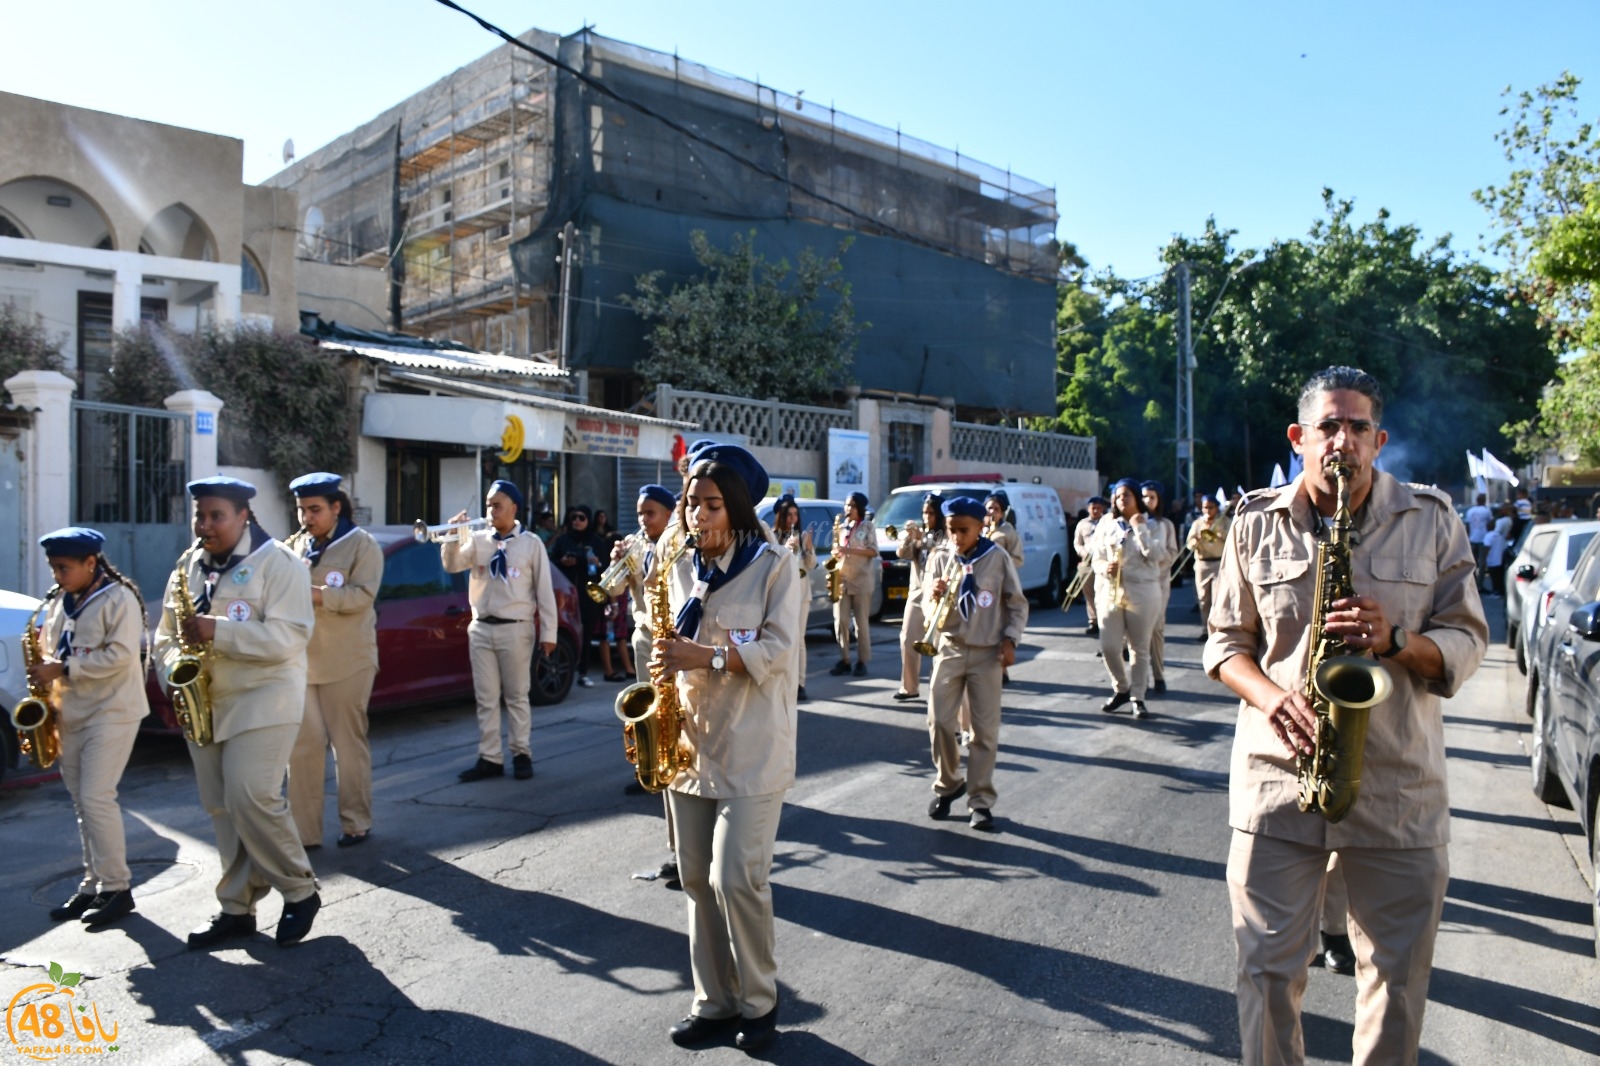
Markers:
<point>1566,705</point>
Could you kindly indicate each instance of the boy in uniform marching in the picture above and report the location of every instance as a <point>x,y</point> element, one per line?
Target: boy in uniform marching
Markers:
<point>976,643</point>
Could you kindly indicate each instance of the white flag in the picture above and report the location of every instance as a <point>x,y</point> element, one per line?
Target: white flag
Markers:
<point>1474,466</point>
<point>1238,490</point>
<point>1222,496</point>
<point>1278,477</point>
<point>1494,468</point>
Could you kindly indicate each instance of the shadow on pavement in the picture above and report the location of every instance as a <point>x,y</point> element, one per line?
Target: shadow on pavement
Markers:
<point>1520,821</point>
<point>1197,780</point>
<point>1577,1025</point>
<point>1520,901</point>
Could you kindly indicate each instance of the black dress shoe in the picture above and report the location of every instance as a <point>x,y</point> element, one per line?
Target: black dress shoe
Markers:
<point>481,770</point>
<point>901,697</point>
<point>1338,955</point>
<point>113,906</point>
<point>861,670</point>
<point>939,806</point>
<point>695,1030</point>
<point>756,1033</point>
<point>1159,685</point>
<point>800,696</point>
<point>1093,630</point>
<point>980,818</point>
<point>668,874</point>
<point>840,668</point>
<point>1117,700</point>
<point>296,920</point>
<point>522,767</point>
<point>350,840</point>
<point>1138,709</point>
<point>74,907</point>
<point>224,926</point>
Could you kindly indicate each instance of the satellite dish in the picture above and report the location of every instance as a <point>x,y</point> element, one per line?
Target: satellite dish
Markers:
<point>288,151</point>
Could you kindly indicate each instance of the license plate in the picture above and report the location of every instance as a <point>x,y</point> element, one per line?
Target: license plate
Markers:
<point>895,594</point>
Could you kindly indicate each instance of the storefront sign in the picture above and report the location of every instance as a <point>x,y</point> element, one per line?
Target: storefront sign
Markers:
<point>601,436</point>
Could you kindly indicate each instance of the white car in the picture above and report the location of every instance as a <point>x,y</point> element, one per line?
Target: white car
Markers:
<point>1540,570</point>
<point>15,610</point>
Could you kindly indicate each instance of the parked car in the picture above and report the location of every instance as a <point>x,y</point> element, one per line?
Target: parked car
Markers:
<point>1544,575</point>
<point>422,633</point>
<point>1040,520</point>
<point>15,769</point>
<point>817,516</point>
<point>1564,689</point>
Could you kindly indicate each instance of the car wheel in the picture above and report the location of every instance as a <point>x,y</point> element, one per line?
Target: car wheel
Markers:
<point>1522,658</point>
<point>1511,634</point>
<point>1530,694</point>
<point>1594,867</point>
<point>1545,783</point>
<point>1050,595</point>
<point>553,673</point>
<point>8,750</point>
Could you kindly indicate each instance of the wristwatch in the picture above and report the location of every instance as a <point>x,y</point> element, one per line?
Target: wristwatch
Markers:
<point>1397,643</point>
<point>719,658</point>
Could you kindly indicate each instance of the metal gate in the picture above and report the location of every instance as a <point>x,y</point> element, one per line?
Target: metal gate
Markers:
<point>130,466</point>
<point>13,546</point>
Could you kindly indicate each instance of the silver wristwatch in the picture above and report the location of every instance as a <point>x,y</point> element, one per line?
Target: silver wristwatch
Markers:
<point>719,658</point>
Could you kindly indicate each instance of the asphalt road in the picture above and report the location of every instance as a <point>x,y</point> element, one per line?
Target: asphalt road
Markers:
<point>500,920</point>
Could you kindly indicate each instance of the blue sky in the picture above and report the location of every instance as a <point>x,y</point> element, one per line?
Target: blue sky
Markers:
<point>1147,117</point>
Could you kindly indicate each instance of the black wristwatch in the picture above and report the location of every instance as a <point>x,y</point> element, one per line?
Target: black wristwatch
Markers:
<point>1397,643</point>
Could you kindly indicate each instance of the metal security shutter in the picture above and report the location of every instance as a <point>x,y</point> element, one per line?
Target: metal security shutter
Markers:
<point>632,473</point>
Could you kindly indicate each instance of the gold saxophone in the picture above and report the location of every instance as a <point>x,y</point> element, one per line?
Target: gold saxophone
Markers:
<point>189,672</point>
<point>940,610</point>
<point>835,574</point>
<point>1341,686</point>
<point>35,718</point>
<point>653,736</point>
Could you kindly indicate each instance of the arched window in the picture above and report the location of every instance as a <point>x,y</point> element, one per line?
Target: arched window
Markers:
<point>9,227</point>
<point>251,277</point>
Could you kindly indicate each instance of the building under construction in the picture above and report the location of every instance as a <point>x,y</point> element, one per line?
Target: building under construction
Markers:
<point>515,201</point>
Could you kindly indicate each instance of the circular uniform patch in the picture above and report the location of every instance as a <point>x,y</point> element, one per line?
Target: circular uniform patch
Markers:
<point>515,571</point>
<point>334,580</point>
<point>985,598</point>
<point>239,611</point>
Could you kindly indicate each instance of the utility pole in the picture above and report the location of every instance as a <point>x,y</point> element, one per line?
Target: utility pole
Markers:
<point>1183,479</point>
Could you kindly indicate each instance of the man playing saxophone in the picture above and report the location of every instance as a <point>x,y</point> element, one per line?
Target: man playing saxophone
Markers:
<point>1416,609</point>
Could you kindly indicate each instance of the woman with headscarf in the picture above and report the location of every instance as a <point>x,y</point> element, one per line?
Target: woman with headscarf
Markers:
<point>786,529</point>
<point>857,552</point>
<point>736,603</point>
<point>577,555</point>
<point>916,545</point>
<point>1130,564</point>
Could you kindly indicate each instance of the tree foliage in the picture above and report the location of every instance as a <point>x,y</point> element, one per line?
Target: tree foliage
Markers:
<point>286,404</point>
<point>25,344</point>
<point>751,327</point>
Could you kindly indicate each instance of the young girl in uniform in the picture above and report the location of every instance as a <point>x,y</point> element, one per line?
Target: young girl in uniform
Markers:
<point>736,604</point>
<point>915,546</point>
<point>857,552</point>
<point>1129,554</point>
<point>788,531</point>
<point>93,625</point>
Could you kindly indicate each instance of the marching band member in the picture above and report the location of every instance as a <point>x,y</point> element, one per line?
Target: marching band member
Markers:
<point>1081,535</point>
<point>1129,559</point>
<point>346,568</point>
<point>252,601</point>
<point>93,626</point>
<point>737,608</point>
<point>998,527</point>
<point>1205,539</point>
<point>788,531</point>
<point>1155,505</point>
<point>857,552</point>
<point>915,546</point>
<point>512,598</point>
<point>976,642</point>
<point>655,513</point>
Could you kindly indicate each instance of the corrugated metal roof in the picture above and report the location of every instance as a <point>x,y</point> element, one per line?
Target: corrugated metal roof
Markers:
<point>531,399</point>
<point>450,359</point>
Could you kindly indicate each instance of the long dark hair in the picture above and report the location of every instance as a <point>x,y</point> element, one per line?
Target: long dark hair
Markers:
<point>742,520</point>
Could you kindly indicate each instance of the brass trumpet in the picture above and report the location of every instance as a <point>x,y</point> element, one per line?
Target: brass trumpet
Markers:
<point>446,533</point>
<point>617,574</point>
<point>929,644</point>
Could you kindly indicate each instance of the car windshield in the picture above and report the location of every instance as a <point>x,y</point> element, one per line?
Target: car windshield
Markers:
<point>901,507</point>
<point>1575,545</point>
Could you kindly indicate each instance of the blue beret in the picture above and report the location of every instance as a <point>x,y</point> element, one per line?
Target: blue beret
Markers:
<point>1101,500</point>
<point>75,542</point>
<point>746,465</point>
<point>999,494</point>
<point>659,493</point>
<point>782,501</point>
<point>935,498</point>
<point>511,491</point>
<point>963,507</point>
<point>1208,498</point>
<point>1129,483</point>
<point>227,488</point>
<point>319,484</point>
<point>699,446</point>
<point>859,499</point>
<point>1155,486</point>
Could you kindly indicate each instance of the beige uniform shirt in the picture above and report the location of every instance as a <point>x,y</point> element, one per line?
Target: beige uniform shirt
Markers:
<point>1002,609</point>
<point>1141,549</point>
<point>1414,559</point>
<point>918,555</point>
<point>1006,538</point>
<point>801,547</point>
<point>1083,534</point>
<point>105,679</point>
<point>346,638</point>
<point>860,572</point>
<point>742,726</point>
<point>1208,549</point>
<point>524,595</point>
<point>1167,533</point>
<point>258,657</point>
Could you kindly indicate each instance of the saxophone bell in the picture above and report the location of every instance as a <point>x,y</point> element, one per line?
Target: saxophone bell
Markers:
<point>37,725</point>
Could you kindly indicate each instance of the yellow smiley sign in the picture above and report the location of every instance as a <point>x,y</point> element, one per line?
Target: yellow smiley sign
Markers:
<point>511,440</point>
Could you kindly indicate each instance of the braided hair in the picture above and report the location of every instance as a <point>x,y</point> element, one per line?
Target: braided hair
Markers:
<point>126,582</point>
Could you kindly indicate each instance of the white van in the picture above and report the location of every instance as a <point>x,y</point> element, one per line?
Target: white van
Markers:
<point>1039,518</point>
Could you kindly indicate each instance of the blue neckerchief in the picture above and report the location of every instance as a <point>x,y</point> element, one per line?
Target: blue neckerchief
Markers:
<point>709,577</point>
<point>967,599</point>
<point>315,547</point>
<point>214,570</point>
<point>498,567</point>
<point>73,608</point>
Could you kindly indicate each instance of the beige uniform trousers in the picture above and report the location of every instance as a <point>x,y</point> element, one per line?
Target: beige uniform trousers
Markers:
<point>502,669</point>
<point>91,763</point>
<point>1205,585</point>
<point>856,605</point>
<point>911,627</point>
<point>336,716</point>
<point>1335,899</point>
<point>240,781</point>
<point>1396,897</point>
<point>724,861</point>
<point>1158,633</point>
<point>1134,625</point>
<point>800,631</point>
<point>962,672</point>
<point>1088,598</point>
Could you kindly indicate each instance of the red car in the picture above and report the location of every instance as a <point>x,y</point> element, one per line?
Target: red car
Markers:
<point>422,634</point>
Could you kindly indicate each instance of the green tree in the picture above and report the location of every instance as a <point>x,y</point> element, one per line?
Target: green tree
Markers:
<point>749,326</point>
<point>26,345</point>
